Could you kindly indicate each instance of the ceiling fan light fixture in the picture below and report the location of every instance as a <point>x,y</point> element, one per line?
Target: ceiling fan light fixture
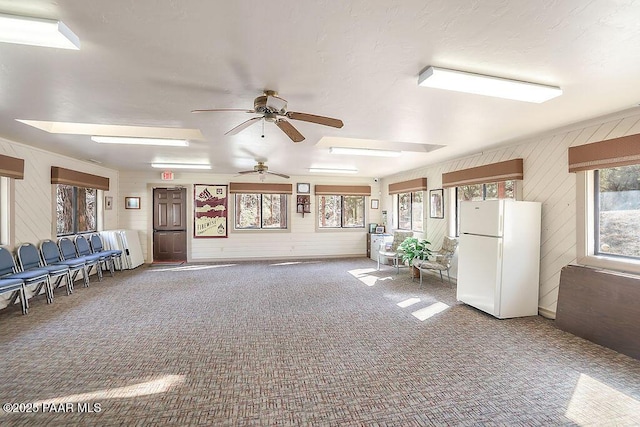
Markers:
<point>180,166</point>
<point>332,170</point>
<point>364,152</point>
<point>479,84</point>
<point>140,141</point>
<point>37,32</point>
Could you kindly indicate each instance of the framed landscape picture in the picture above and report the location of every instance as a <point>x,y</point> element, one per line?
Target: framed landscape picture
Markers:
<point>210,205</point>
<point>436,203</point>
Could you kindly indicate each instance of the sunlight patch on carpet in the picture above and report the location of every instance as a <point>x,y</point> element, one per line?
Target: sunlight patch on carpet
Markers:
<point>294,263</point>
<point>430,311</point>
<point>193,267</point>
<point>408,302</point>
<point>595,403</point>
<point>363,275</point>
<point>161,385</point>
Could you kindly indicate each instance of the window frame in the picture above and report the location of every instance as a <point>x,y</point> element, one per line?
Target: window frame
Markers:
<point>74,209</point>
<point>410,211</point>
<point>342,212</point>
<point>283,210</point>
<point>585,230</point>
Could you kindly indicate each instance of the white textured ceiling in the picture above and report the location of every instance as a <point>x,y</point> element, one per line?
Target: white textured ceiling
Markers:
<point>149,63</point>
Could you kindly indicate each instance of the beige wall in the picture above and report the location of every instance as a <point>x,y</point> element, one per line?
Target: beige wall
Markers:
<point>546,180</point>
<point>33,216</point>
<point>301,240</point>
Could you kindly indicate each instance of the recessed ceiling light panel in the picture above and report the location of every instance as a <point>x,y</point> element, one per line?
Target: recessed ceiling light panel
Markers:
<point>461,81</point>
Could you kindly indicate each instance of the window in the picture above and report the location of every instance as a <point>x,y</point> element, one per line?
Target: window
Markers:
<point>410,211</point>
<point>490,191</point>
<point>260,211</point>
<point>75,209</point>
<point>341,211</point>
<point>617,209</point>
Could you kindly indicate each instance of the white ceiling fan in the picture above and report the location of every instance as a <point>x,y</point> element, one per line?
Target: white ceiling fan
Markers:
<point>271,108</point>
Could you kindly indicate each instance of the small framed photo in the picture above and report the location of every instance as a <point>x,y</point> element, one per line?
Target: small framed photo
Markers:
<point>108,203</point>
<point>132,202</point>
<point>375,203</point>
<point>379,230</point>
<point>436,203</point>
<point>303,188</point>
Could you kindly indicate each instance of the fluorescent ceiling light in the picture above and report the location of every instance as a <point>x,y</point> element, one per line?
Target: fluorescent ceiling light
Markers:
<point>180,166</point>
<point>37,32</point>
<point>140,141</point>
<point>364,152</point>
<point>460,81</point>
<point>321,170</point>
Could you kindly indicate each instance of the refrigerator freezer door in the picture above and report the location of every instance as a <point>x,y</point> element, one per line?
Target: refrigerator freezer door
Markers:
<point>479,267</point>
<point>484,218</point>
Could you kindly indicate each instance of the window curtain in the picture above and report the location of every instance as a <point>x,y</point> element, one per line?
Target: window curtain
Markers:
<point>611,153</point>
<point>259,187</point>
<point>494,172</point>
<point>343,190</point>
<point>78,179</point>
<point>417,184</point>
<point>11,167</point>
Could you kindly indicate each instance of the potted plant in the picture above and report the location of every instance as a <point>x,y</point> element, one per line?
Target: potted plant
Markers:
<point>412,248</point>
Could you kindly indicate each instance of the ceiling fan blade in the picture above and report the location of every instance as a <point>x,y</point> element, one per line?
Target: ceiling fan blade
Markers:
<point>243,126</point>
<point>279,174</point>
<point>241,110</point>
<point>291,132</point>
<point>321,120</point>
<point>245,172</point>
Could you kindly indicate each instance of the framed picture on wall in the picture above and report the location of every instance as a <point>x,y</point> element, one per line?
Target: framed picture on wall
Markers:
<point>436,203</point>
<point>132,202</point>
<point>375,203</point>
<point>210,206</point>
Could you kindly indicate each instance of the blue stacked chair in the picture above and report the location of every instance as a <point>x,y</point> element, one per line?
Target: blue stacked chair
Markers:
<point>112,254</point>
<point>38,277</point>
<point>81,251</point>
<point>51,256</point>
<point>16,288</point>
<point>29,259</point>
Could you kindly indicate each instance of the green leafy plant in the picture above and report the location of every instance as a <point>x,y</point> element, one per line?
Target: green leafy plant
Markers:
<point>412,248</point>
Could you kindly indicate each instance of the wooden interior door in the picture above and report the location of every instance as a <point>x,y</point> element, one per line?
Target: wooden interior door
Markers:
<point>169,224</point>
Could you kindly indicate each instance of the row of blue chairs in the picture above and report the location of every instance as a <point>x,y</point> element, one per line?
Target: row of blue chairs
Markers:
<point>48,267</point>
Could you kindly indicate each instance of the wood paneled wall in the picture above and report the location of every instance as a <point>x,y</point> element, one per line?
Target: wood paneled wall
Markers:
<point>546,180</point>
<point>601,306</point>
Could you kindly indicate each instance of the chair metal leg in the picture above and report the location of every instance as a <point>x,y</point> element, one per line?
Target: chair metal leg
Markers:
<point>24,301</point>
<point>49,291</point>
<point>420,278</point>
<point>448,276</point>
<point>441,279</point>
<point>378,262</point>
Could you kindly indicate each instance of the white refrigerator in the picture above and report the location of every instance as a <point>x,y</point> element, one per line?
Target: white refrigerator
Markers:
<point>499,257</point>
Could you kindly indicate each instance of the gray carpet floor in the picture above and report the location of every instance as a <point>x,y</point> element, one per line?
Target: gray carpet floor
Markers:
<point>330,342</point>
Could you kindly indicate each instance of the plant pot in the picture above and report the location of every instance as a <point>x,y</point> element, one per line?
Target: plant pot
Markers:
<point>415,272</point>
